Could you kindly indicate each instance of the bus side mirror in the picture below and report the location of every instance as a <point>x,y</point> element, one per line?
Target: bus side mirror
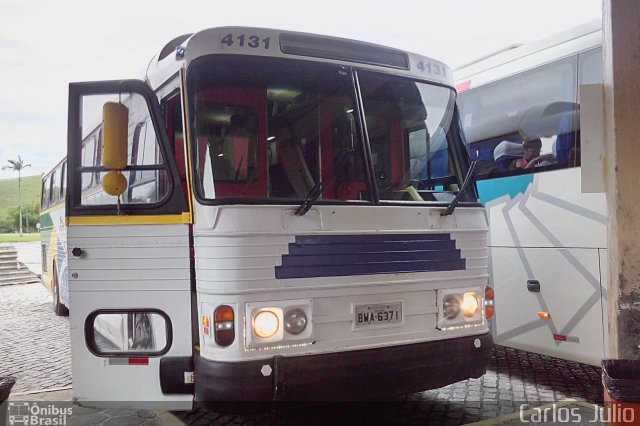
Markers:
<point>592,141</point>
<point>115,130</point>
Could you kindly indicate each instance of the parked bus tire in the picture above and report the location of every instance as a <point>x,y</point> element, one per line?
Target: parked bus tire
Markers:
<point>58,306</point>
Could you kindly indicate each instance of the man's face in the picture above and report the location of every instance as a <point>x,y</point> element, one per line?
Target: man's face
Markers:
<point>531,152</point>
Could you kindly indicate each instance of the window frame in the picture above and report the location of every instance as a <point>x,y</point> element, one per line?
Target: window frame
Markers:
<point>173,203</point>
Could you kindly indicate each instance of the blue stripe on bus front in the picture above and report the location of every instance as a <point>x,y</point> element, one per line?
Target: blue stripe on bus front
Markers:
<point>325,239</point>
<point>343,255</point>
<point>378,247</point>
<point>369,257</point>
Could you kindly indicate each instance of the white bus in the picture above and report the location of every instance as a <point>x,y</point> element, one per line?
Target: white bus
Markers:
<point>277,216</point>
<point>548,239</point>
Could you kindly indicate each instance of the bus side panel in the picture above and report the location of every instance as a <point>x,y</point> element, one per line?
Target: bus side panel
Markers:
<point>544,209</point>
<point>570,293</point>
<point>130,270</point>
<point>542,228</point>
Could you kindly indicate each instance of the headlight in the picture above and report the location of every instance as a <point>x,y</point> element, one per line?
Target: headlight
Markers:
<point>278,324</point>
<point>470,304</point>
<point>295,321</point>
<point>451,306</point>
<point>265,324</point>
<point>460,308</point>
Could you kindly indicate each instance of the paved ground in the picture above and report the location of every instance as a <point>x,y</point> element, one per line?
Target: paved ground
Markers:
<point>35,349</point>
<point>34,342</point>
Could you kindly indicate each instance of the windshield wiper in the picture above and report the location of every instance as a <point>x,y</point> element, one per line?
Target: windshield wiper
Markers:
<point>311,198</point>
<point>452,205</point>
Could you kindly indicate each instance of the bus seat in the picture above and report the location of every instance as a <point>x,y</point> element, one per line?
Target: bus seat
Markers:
<point>483,157</point>
<point>565,137</point>
<point>351,190</point>
<point>562,147</point>
<point>485,153</point>
<point>505,152</point>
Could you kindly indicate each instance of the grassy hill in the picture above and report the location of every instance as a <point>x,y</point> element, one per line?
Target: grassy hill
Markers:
<point>30,186</point>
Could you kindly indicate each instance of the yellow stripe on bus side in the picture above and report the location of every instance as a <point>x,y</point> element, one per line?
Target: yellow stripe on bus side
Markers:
<point>51,209</point>
<point>172,219</point>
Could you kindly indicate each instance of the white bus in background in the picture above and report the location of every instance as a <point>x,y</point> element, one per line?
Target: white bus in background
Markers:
<point>272,216</point>
<point>548,239</point>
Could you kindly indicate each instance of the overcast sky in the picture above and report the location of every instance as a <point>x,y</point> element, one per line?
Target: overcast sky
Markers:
<point>46,44</point>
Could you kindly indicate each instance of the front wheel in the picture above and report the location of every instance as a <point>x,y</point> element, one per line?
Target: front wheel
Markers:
<point>58,306</point>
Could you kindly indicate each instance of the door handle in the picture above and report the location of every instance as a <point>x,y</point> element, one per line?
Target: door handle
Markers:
<point>533,286</point>
<point>76,252</point>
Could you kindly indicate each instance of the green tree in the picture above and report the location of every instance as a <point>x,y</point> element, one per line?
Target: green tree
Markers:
<point>18,165</point>
<point>30,215</point>
<point>6,226</point>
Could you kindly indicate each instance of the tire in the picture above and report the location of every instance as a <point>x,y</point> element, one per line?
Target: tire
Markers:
<point>58,306</point>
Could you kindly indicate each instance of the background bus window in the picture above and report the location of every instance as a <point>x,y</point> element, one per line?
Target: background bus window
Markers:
<point>538,107</point>
<point>145,186</point>
<point>590,67</point>
<point>88,160</point>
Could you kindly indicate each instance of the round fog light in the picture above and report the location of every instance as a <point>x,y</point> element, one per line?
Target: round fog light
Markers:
<point>295,321</point>
<point>451,307</point>
<point>265,324</point>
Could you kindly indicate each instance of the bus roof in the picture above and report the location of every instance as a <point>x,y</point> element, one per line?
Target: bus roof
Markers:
<point>183,50</point>
<point>522,57</point>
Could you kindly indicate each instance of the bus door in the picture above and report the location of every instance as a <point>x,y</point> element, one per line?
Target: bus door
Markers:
<point>129,253</point>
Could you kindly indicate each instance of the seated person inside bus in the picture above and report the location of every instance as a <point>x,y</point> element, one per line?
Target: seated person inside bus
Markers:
<point>531,155</point>
<point>509,156</point>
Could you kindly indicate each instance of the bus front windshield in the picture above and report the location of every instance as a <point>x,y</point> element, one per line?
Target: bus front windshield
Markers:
<point>277,129</point>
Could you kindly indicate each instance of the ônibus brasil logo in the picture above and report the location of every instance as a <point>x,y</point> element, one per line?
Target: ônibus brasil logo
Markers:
<point>37,414</point>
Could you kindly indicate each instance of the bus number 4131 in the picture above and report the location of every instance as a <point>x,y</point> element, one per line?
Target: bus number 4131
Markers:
<point>245,40</point>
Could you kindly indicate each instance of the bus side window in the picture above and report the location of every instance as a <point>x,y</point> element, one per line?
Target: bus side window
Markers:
<point>54,191</point>
<point>63,182</point>
<point>46,192</point>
